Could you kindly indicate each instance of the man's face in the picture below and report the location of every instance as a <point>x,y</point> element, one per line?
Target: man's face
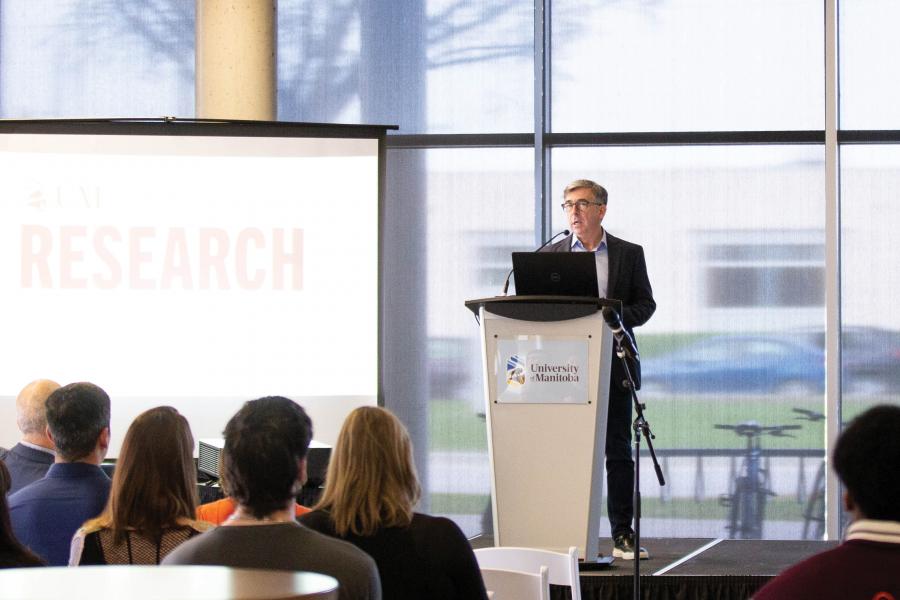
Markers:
<point>585,222</point>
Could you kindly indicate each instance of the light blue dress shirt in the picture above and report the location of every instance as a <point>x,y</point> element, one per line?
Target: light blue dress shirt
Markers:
<point>601,258</point>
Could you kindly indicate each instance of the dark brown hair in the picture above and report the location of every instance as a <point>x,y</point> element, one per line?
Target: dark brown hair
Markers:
<point>154,483</point>
<point>264,442</point>
<point>76,415</point>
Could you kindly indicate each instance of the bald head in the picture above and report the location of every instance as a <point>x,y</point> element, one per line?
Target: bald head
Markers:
<point>31,411</point>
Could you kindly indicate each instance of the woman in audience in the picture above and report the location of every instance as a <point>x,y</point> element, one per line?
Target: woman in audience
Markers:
<point>153,497</point>
<point>12,553</point>
<point>370,492</point>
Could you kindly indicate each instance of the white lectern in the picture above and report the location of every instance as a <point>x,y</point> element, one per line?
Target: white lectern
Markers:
<point>546,383</point>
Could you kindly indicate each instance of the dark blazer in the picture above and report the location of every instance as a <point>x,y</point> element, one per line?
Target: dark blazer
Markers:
<point>25,465</point>
<point>47,513</point>
<point>628,282</point>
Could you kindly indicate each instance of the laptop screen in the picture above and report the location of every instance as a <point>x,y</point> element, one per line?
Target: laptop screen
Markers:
<point>555,274</point>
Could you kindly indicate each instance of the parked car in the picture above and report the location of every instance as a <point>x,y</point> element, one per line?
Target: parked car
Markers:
<point>740,364</point>
<point>870,358</point>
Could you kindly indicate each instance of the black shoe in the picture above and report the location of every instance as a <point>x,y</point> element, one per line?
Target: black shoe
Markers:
<point>623,547</point>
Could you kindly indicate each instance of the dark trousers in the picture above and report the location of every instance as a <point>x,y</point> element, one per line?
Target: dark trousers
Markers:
<point>619,463</point>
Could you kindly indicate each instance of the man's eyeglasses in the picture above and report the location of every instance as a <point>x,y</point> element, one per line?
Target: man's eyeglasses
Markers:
<point>569,206</point>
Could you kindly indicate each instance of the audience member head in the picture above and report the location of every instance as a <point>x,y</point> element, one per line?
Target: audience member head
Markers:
<point>265,454</point>
<point>154,484</point>
<point>78,422</point>
<point>867,459</point>
<point>372,481</point>
<point>31,411</point>
<point>12,552</point>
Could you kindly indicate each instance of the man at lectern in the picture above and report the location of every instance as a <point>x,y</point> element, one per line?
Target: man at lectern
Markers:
<point>621,275</point>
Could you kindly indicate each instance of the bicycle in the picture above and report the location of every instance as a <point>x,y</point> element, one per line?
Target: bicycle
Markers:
<point>747,501</point>
<point>814,510</point>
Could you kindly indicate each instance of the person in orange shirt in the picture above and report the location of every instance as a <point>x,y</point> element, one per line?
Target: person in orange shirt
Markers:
<point>216,512</point>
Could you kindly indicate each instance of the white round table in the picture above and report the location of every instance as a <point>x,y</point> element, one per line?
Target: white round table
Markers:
<point>118,582</point>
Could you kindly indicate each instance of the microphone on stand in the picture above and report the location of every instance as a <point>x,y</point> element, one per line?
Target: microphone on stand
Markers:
<point>508,275</point>
<point>622,336</point>
<point>632,359</point>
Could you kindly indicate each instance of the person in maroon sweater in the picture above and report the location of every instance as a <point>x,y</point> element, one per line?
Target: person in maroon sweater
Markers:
<point>867,564</point>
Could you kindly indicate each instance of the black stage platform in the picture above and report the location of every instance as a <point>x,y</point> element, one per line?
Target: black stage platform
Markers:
<point>689,568</point>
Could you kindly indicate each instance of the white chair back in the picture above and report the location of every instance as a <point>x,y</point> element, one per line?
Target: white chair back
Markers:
<point>562,566</point>
<point>516,585</point>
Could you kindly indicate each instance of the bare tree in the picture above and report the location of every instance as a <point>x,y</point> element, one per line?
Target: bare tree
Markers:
<point>321,64</point>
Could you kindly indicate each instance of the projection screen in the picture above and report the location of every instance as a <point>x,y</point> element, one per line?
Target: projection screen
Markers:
<point>196,265</point>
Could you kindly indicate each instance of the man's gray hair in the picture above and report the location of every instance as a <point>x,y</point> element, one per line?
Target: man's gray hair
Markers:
<point>597,190</point>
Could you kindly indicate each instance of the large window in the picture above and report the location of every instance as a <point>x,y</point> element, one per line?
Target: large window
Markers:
<point>725,229</point>
<point>869,168</point>
<point>104,58</point>
<point>869,90</point>
<point>704,65</point>
<point>448,66</point>
<point>475,215</point>
<point>871,324</point>
<point>705,119</point>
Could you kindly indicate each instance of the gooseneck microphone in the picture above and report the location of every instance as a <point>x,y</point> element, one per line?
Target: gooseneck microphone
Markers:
<point>508,275</point>
<point>622,336</point>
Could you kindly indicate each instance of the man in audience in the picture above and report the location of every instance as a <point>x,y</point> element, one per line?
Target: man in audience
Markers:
<point>264,460</point>
<point>29,460</point>
<point>867,563</point>
<point>46,513</point>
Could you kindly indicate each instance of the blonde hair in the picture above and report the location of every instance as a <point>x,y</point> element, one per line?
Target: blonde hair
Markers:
<point>372,481</point>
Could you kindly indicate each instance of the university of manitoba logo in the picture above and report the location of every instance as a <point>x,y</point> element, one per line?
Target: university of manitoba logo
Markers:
<point>515,371</point>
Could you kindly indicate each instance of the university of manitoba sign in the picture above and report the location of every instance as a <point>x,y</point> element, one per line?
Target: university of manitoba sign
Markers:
<point>538,370</point>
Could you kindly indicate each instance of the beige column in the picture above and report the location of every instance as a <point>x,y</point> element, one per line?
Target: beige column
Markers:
<point>235,59</point>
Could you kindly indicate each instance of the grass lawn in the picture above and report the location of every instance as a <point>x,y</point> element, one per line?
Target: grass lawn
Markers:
<point>778,509</point>
<point>679,422</point>
<point>683,422</point>
<point>454,426</point>
<point>689,422</point>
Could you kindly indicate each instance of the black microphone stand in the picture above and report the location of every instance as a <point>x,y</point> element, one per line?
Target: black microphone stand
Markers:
<point>641,427</point>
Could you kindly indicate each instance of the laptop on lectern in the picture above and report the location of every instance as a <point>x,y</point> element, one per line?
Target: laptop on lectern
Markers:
<point>555,274</point>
